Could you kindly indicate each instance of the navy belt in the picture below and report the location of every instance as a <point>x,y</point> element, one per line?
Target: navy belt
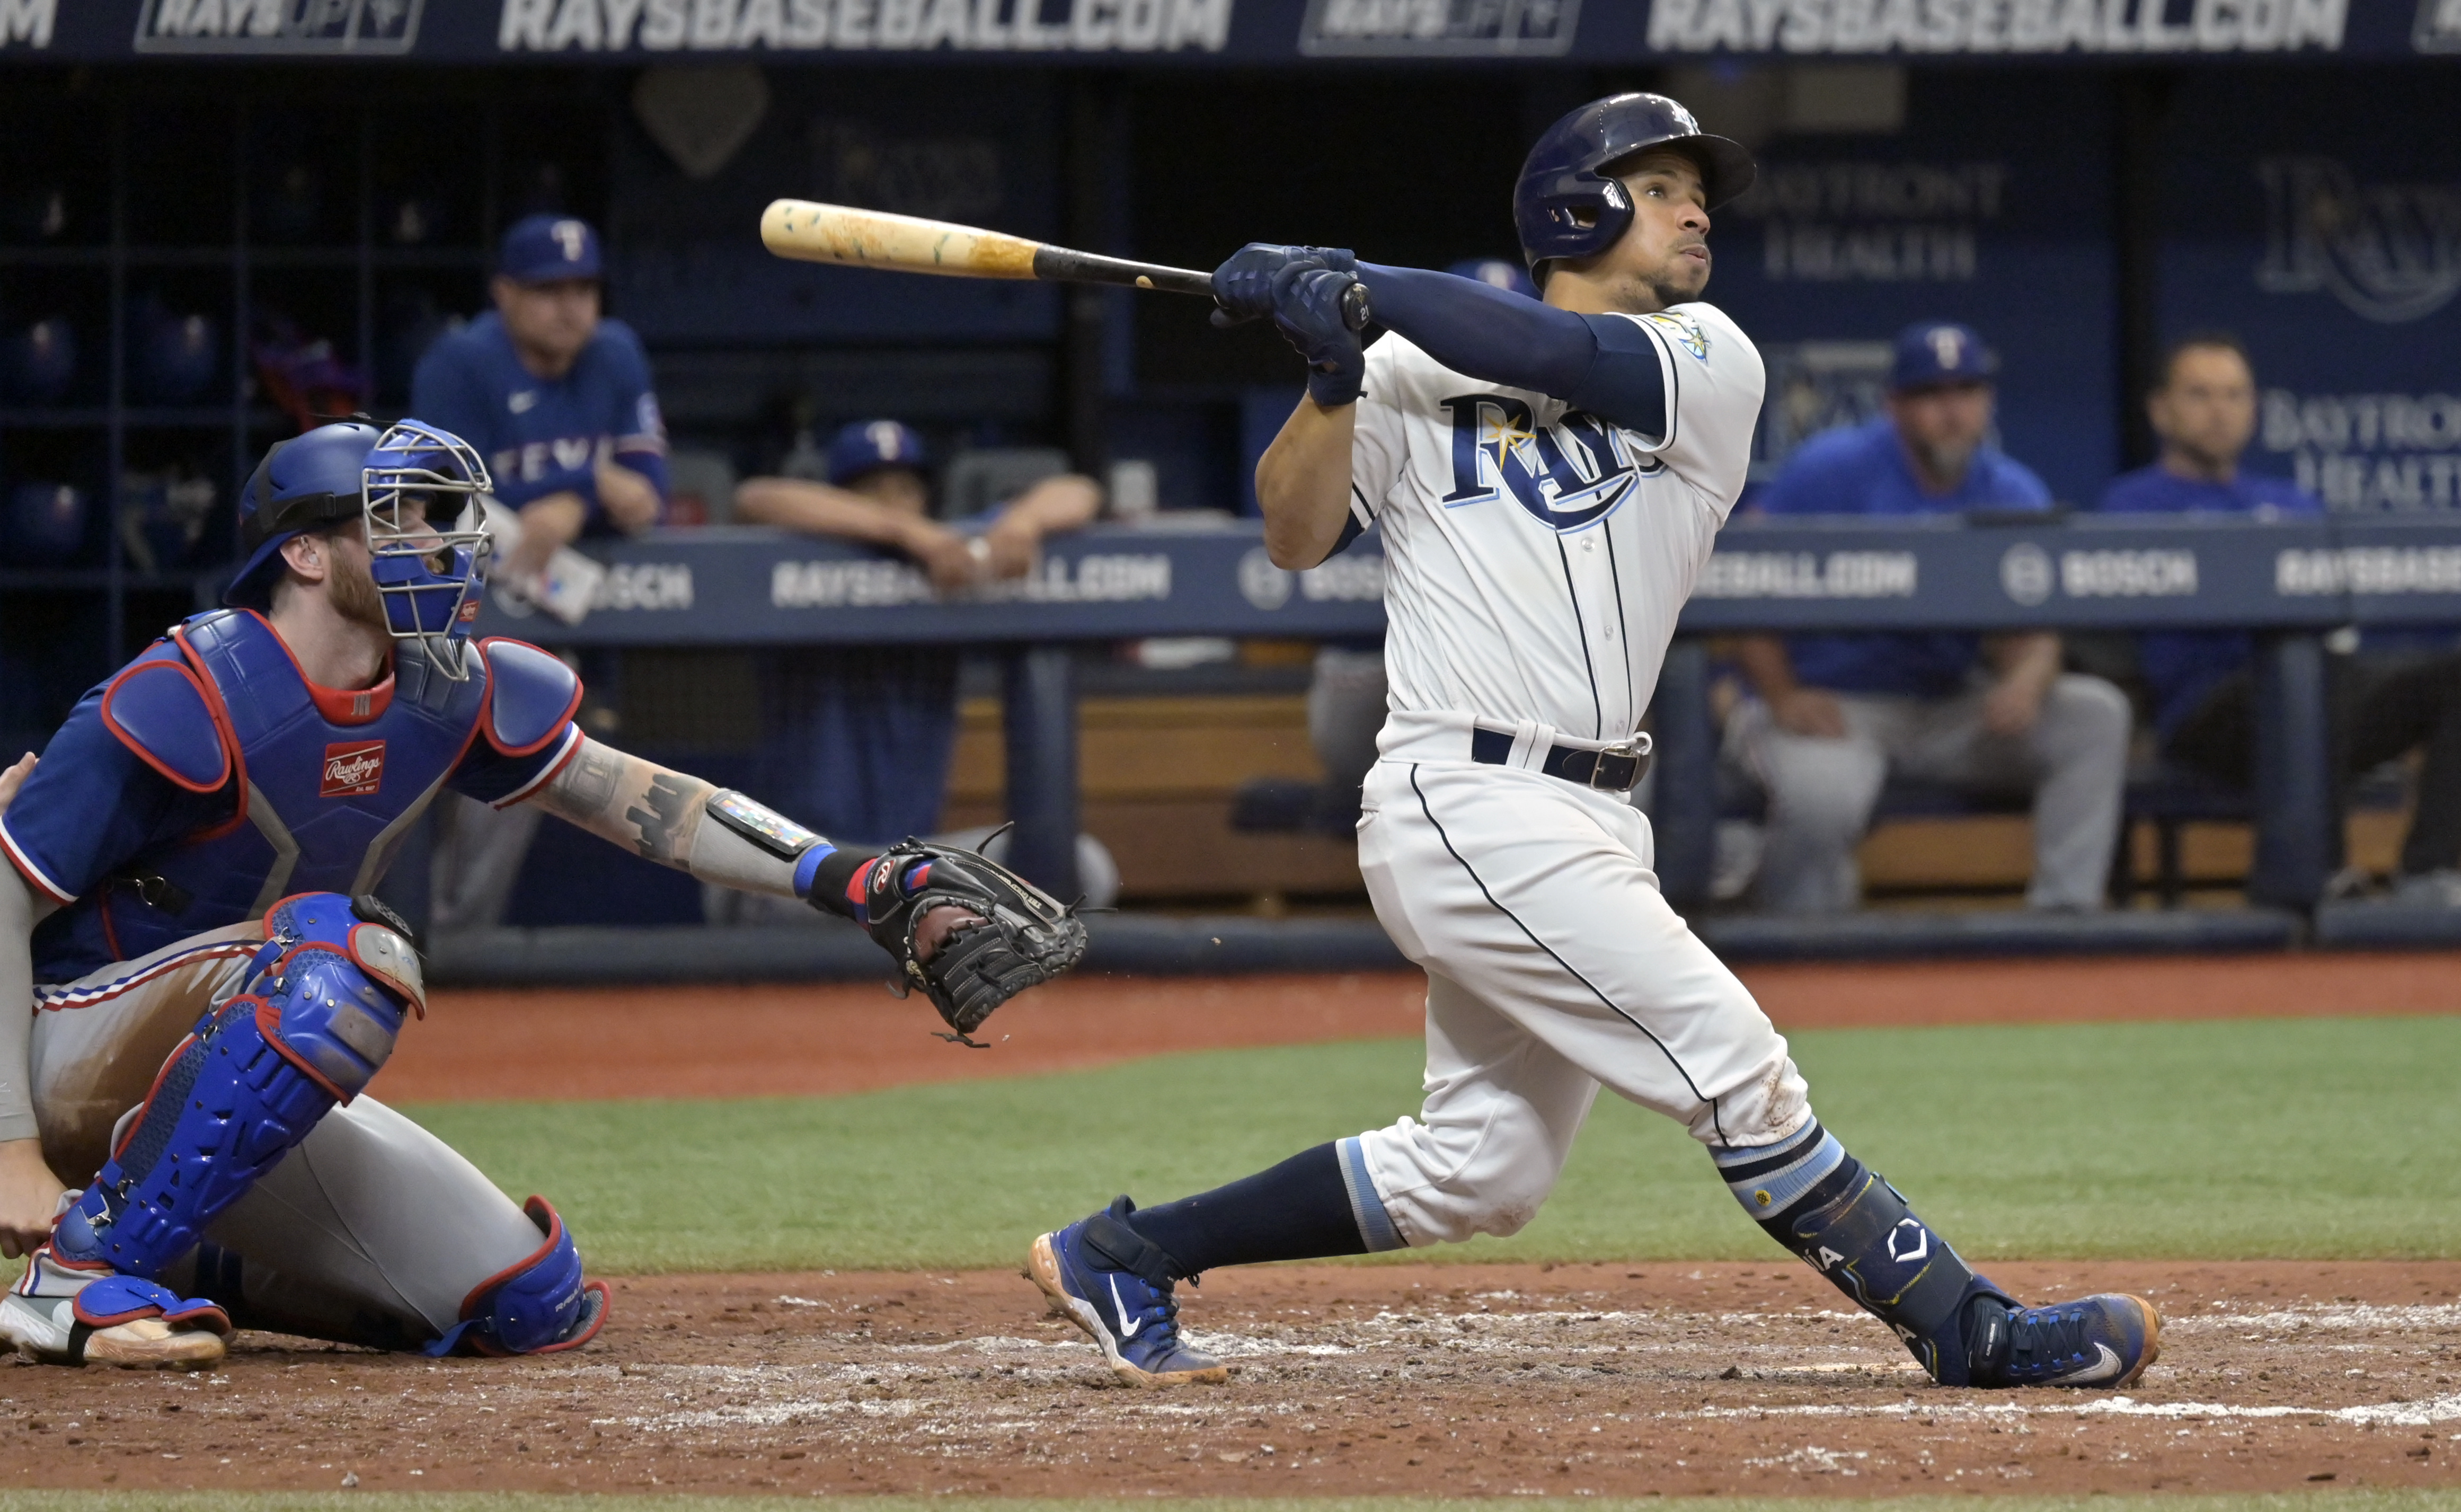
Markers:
<point>1618,769</point>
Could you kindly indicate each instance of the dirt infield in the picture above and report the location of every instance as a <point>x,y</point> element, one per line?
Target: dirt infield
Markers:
<point>1478,1379</point>
<point>741,1041</point>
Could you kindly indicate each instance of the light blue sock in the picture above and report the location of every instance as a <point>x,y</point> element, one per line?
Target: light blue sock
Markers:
<point>1767,1178</point>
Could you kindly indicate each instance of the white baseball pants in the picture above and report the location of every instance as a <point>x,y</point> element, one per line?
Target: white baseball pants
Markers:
<point>373,1230</point>
<point>1555,966</point>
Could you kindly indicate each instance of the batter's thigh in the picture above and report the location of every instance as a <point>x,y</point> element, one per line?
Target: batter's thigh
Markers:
<point>373,1231</point>
<point>100,1042</point>
<point>1537,897</point>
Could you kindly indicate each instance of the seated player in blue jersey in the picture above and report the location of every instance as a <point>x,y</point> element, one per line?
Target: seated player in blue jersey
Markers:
<point>2387,699</point>
<point>200,983</point>
<point>555,398</point>
<point>867,731</point>
<point>1835,713</point>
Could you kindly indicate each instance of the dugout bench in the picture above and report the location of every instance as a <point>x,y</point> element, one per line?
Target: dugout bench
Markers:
<point>2290,581</point>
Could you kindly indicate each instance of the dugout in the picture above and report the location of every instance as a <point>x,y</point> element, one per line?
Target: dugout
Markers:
<point>201,200</point>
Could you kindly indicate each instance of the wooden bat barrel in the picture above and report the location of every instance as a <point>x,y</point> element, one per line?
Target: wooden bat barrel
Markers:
<point>837,233</point>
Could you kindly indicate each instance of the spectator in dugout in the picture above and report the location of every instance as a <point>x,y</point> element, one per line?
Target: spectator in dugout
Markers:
<point>2387,698</point>
<point>1835,715</point>
<point>554,395</point>
<point>864,735</point>
<point>557,399</point>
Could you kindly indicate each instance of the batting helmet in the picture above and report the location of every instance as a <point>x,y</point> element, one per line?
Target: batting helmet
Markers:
<point>1568,204</point>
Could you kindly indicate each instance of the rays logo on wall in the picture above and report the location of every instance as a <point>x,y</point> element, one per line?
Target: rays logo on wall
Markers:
<point>2389,252</point>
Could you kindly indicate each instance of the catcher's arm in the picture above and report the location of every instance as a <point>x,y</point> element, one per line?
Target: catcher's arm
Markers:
<point>677,820</point>
<point>967,930</point>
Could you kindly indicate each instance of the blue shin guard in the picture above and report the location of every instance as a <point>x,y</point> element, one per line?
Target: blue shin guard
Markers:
<point>1856,1230</point>
<point>324,999</point>
<point>537,1307</point>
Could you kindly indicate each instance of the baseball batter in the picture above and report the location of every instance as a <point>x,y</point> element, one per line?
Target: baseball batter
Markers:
<point>197,984</point>
<point>1549,478</point>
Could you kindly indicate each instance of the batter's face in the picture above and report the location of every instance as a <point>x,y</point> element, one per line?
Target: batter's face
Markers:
<point>549,322</point>
<point>1662,259</point>
<point>2205,412</point>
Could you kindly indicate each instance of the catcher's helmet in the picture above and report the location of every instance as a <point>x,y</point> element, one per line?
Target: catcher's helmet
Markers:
<point>306,483</point>
<point>1567,205</point>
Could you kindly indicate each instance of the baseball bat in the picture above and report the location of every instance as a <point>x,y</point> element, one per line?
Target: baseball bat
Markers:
<point>905,244</point>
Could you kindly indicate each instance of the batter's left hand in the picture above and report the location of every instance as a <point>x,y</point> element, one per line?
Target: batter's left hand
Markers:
<point>1307,308</point>
<point>14,777</point>
<point>1244,286</point>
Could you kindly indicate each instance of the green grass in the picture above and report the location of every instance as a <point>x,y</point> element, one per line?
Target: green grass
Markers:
<point>519,1502</point>
<point>2315,1138</point>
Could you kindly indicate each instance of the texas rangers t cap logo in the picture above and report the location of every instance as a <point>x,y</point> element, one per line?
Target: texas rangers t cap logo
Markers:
<point>353,769</point>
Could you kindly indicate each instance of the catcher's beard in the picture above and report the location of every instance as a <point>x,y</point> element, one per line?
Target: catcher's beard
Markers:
<point>352,591</point>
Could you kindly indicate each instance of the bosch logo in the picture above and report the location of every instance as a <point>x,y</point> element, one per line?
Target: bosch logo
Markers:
<point>353,769</point>
<point>2025,573</point>
<point>1262,584</point>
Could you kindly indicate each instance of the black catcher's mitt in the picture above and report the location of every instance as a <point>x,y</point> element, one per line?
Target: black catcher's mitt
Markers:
<point>1026,938</point>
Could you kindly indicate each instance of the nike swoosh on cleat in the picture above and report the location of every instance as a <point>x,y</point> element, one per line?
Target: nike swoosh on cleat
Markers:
<point>2106,1366</point>
<point>1128,1330</point>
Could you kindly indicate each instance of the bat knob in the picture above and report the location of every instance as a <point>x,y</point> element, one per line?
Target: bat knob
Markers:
<point>1356,313</point>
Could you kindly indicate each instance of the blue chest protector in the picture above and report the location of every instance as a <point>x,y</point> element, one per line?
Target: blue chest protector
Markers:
<point>324,786</point>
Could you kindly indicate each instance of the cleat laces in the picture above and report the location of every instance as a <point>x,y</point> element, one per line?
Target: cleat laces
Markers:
<point>2045,1341</point>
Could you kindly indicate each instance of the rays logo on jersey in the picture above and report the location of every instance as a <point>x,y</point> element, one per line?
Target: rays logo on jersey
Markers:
<point>1685,331</point>
<point>1568,475</point>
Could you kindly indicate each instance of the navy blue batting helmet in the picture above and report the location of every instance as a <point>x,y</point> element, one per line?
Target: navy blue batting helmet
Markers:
<point>1569,205</point>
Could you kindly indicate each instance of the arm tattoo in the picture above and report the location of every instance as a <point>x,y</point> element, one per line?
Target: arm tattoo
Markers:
<point>665,817</point>
<point>590,785</point>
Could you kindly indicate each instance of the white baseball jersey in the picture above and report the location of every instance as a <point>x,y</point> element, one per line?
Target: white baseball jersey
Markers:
<point>1536,556</point>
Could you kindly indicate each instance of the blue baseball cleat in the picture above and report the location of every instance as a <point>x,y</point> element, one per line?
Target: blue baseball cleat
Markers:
<point>2104,1341</point>
<point>1115,1284</point>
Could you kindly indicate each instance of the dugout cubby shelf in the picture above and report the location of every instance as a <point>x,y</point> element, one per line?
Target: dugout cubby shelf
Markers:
<point>135,199</point>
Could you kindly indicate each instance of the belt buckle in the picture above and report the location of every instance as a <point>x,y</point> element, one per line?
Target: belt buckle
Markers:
<point>1633,749</point>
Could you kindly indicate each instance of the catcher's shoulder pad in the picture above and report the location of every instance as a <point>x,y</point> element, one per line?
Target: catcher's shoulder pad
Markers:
<point>159,711</point>
<point>531,696</point>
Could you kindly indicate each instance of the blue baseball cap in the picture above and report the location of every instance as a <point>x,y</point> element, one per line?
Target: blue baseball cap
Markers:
<point>540,248</point>
<point>868,446</point>
<point>1938,352</point>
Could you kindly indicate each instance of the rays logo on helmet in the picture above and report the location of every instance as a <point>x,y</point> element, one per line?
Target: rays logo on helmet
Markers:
<point>353,769</point>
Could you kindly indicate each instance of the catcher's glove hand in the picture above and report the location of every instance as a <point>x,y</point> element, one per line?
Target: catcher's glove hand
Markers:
<point>1023,937</point>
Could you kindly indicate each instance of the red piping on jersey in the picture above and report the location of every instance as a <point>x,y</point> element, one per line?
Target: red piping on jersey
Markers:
<point>334,703</point>
<point>31,872</point>
<point>110,933</point>
<point>548,775</point>
<point>221,715</point>
<point>487,710</point>
<point>109,722</point>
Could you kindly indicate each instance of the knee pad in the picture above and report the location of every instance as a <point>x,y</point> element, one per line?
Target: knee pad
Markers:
<point>536,1307</point>
<point>318,1015</point>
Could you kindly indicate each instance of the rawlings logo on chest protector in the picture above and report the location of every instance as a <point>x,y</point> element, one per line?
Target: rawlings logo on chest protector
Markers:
<point>353,769</point>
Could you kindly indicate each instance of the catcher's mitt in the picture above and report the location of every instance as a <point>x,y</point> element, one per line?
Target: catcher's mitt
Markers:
<point>1026,938</point>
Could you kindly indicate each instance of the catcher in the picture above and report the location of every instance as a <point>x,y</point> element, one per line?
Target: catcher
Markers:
<point>187,912</point>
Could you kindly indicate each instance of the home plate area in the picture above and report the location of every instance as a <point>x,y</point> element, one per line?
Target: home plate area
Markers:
<point>1483,1380</point>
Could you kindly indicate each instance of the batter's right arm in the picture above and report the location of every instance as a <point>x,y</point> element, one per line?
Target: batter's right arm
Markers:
<point>1303,485</point>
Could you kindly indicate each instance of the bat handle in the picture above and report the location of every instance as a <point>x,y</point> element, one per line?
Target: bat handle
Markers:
<point>1356,313</point>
